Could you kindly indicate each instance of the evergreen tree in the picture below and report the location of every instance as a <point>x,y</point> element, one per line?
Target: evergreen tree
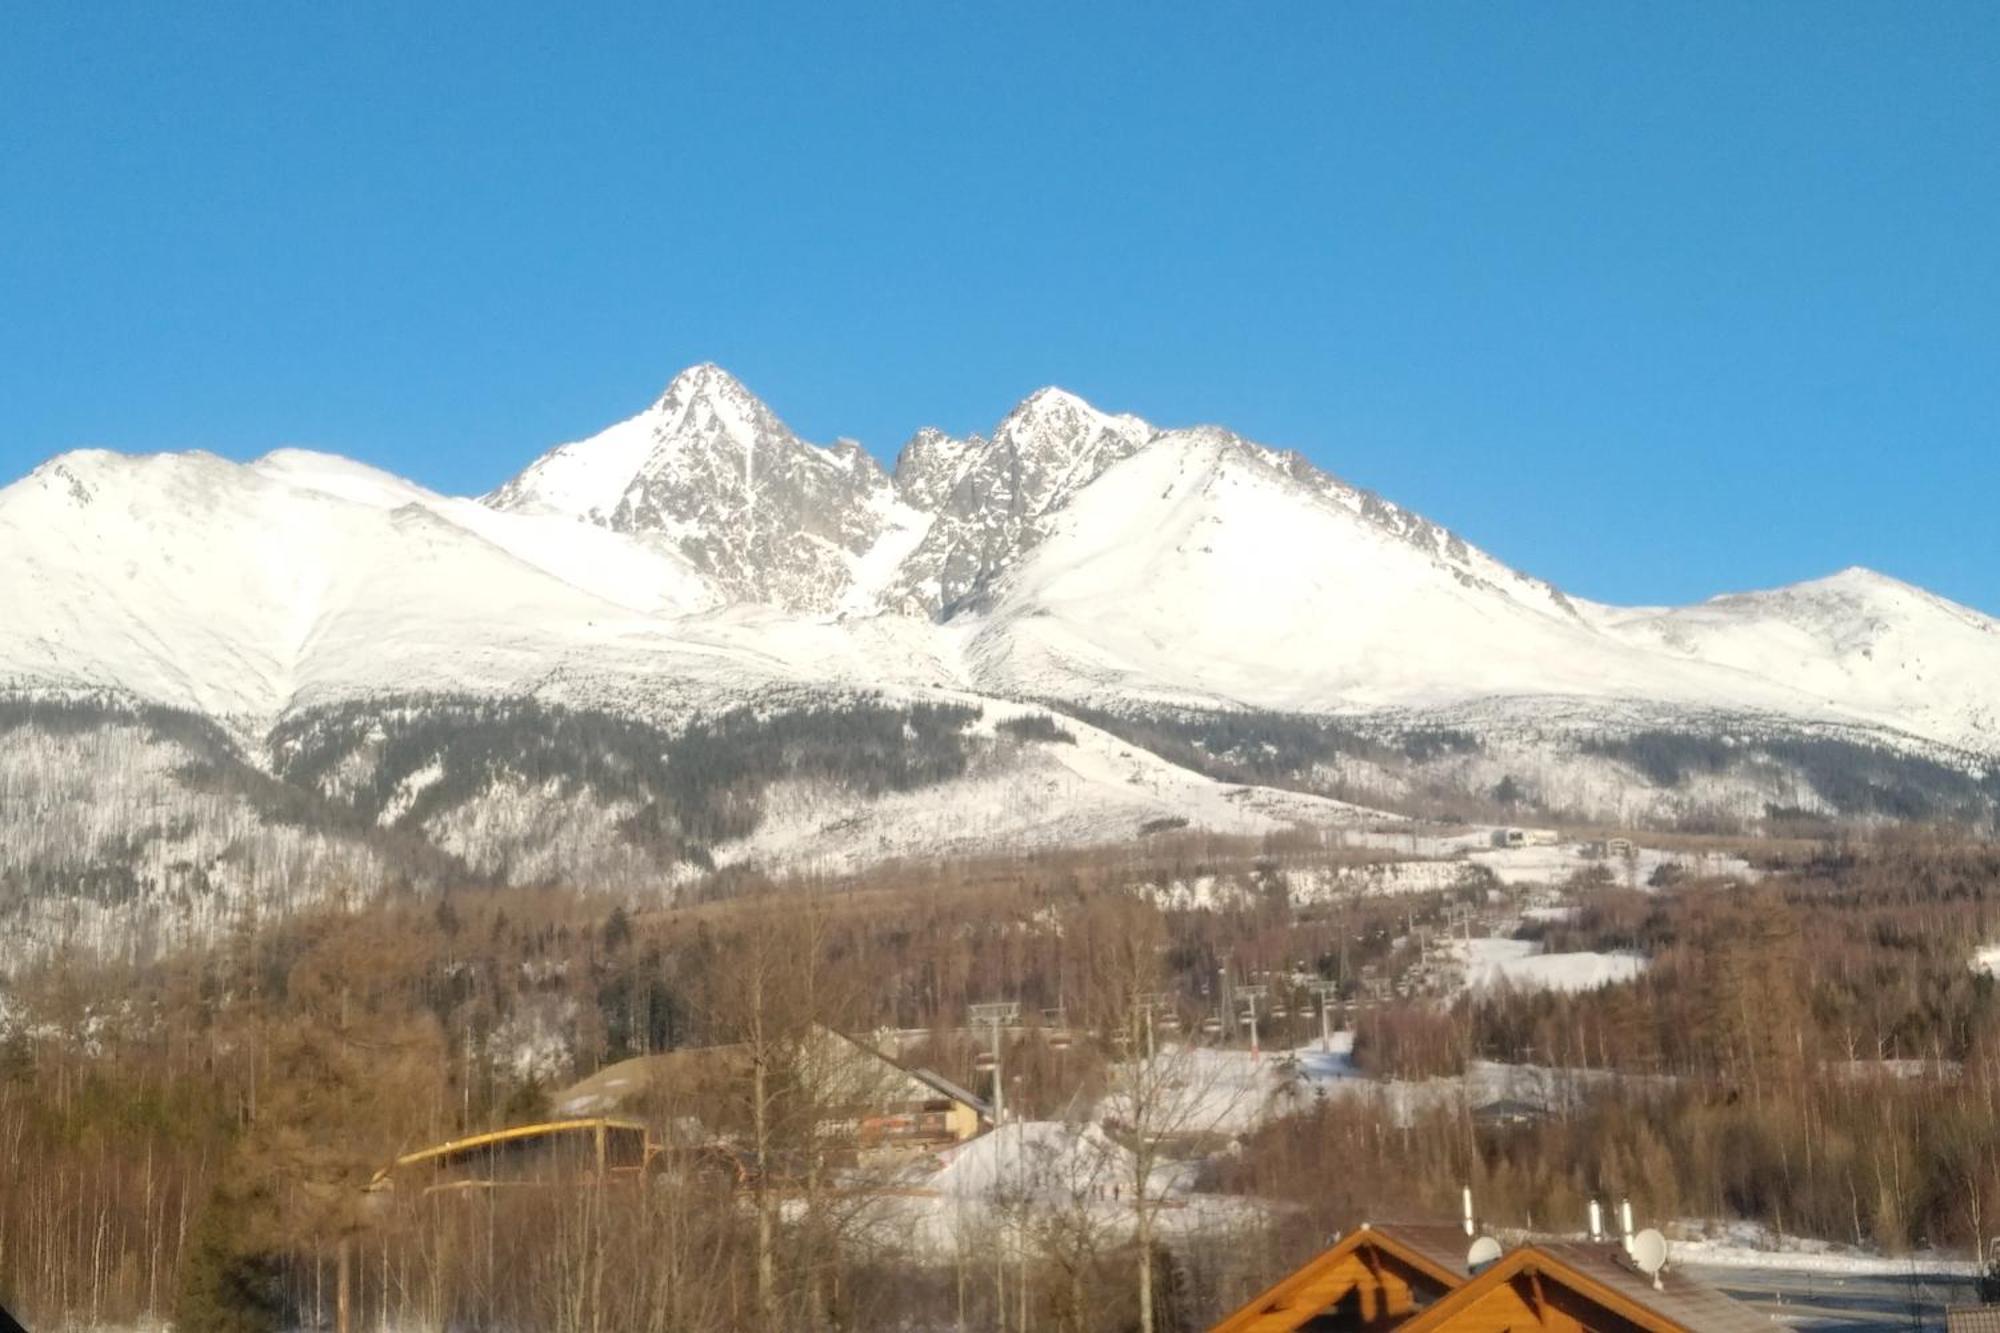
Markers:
<point>227,1286</point>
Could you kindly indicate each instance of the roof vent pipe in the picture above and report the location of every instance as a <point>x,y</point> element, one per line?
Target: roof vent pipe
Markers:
<point>1625,1218</point>
<point>1465,1196</point>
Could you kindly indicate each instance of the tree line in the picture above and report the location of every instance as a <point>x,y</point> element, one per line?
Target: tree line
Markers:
<point>192,1136</point>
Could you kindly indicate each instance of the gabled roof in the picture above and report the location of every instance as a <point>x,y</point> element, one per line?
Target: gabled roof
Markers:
<point>1399,1263</point>
<point>930,1078</point>
<point>1566,1285</point>
<point>631,1082</point>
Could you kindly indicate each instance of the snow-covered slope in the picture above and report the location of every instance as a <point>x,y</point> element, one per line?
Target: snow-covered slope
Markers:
<point>1206,570</point>
<point>230,589</point>
<point>1201,570</point>
<point>1856,643</point>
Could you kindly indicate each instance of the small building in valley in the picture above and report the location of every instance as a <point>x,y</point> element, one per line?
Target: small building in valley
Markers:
<point>1526,837</point>
<point>868,1103</point>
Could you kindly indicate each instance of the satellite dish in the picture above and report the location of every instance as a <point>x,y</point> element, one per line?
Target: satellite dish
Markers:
<point>1649,1253</point>
<point>1483,1252</point>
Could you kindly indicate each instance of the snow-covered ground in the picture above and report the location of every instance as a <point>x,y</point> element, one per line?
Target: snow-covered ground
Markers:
<point>1740,1244</point>
<point>1230,1091</point>
<point>1048,1160</point>
<point>1388,879</point>
<point>1030,1179</point>
<point>1521,965</point>
<point>1089,790</point>
<point>1560,862</point>
<point>1420,861</point>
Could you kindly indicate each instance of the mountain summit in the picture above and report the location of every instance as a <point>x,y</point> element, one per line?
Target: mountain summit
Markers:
<point>991,499</point>
<point>712,471</point>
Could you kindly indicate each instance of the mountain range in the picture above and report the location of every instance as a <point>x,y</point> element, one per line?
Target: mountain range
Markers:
<point>217,676</point>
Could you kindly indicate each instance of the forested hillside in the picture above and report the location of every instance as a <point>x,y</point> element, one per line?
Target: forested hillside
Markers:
<point>1813,1051</point>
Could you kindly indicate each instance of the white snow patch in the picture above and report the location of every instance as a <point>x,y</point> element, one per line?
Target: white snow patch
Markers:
<point>1745,1244</point>
<point>1521,965</point>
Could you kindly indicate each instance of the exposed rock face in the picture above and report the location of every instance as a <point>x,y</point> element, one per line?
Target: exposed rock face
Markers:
<point>772,519</point>
<point>767,516</point>
<point>991,499</point>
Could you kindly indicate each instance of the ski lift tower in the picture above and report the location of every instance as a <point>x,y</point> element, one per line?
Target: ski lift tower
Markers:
<point>1325,992</point>
<point>1252,994</point>
<point>995,1013</point>
<point>1158,1009</point>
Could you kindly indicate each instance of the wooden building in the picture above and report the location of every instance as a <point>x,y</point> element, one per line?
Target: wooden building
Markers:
<point>1417,1280</point>
<point>883,1108</point>
<point>869,1104</point>
<point>1376,1277</point>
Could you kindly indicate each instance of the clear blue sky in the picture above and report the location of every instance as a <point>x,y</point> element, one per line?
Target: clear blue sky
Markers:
<point>1655,301</point>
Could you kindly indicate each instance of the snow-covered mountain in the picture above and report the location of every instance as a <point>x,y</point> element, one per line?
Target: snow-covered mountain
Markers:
<point>1208,570</point>
<point>1068,630</point>
<point>702,548</point>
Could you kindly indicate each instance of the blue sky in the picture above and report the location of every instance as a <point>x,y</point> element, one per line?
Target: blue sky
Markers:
<point>1653,301</point>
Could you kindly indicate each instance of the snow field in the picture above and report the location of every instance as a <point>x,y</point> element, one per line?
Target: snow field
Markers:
<point>1521,965</point>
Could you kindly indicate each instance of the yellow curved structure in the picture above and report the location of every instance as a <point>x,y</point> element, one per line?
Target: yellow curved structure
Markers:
<point>599,1128</point>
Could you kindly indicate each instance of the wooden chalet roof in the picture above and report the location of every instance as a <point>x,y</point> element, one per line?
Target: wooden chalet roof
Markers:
<point>1972,1319</point>
<point>1381,1273</point>
<point>1578,1288</point>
